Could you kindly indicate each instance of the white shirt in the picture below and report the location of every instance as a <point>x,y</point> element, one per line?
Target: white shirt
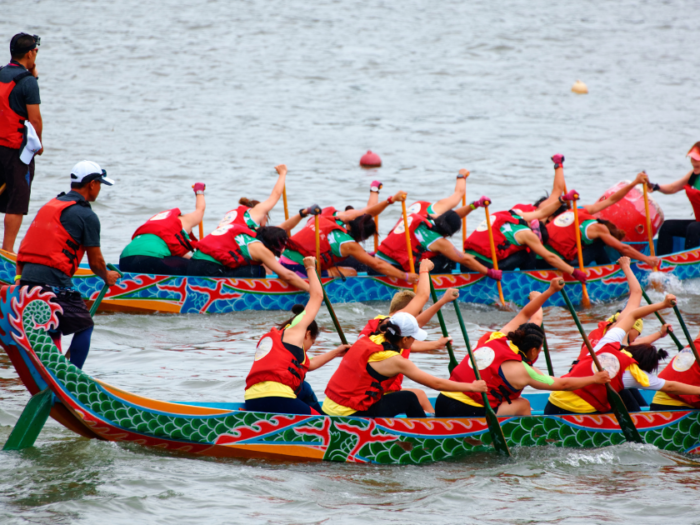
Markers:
<point>617,335</point>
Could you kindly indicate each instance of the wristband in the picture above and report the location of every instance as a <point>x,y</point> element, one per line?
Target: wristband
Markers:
<point>390,200</point>
<point>472,206</point>
<point>655,187</point>
<point>424,271</point>
<point>406,276</point>
<point>460,176</point>
<point>303,212</point>
<point>374,189</point>
<point>18,277</point>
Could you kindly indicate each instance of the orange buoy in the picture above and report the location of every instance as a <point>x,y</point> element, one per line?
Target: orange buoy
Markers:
<point>579,88</point>
<point>628,214</point>
<point>370,160</point>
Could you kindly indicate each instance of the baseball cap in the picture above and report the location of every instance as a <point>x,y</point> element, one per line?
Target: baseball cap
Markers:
<point>86,171</point>
<point>408,326</point>
<point>638,324</point>
<point>694,153</point>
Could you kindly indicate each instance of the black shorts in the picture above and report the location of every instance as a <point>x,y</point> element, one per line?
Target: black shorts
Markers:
<point>18,178</point>
<point>154,265</point>
<point>204,268</point>
<point>448,407</point>
<point>75,317</point>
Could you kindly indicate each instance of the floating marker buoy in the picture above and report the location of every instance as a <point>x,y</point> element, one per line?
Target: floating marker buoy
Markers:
<point>579,88</point>
<point>370,160</point>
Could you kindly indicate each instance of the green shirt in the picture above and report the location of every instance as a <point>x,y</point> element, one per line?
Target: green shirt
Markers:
<point>336,239</point>
<point>425,235</point>
<point>148,245</point>
<point>508,230</point>
<point>242,239</point>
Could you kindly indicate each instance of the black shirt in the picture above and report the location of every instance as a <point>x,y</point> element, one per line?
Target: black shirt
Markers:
<point>83,225</point>
<point>25,93</point>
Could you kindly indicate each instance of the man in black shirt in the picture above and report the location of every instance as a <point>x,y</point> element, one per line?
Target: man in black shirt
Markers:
<point>19,103</point>
<point>63,231</point>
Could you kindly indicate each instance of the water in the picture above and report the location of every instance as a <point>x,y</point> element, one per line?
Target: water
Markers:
<point>163,95</point>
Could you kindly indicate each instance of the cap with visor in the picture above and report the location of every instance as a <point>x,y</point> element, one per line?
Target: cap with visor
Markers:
<point>87,171</point>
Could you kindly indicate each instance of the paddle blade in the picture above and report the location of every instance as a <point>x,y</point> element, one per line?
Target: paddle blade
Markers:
<point>630,432</point>
<point>496,432</point>
<point>585,300</point>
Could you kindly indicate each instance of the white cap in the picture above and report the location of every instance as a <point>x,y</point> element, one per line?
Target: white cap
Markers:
<point>87,169</point>
<point>408,326</point>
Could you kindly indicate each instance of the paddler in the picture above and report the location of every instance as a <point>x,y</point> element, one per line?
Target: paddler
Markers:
<point>505,359</point>
<point>253,213</point>
<point>65,229</point>
<point>517,237</point>
<point>162,245</point>
<point>275,382</point>
<point>630,367</point>
<point>435,209</point>
<point>340,238</point>
<point>413,303</point>
<point>595,233</point>
<point>371,366</point>
<point>429,240</point>
<point>687,228</point>
<point>235,250</point>
<point>683,368</point>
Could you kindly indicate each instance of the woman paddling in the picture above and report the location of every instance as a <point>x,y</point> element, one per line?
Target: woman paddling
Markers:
<point>683,368</point>
<point>435,209</point>
<point>235,250</point>
<point>162,244</point>
<point>371,365</point>
<point>688,228</point>
<point>505,359</point>
<point>275,382</point>
<point>630,367</point>
<point>339,242</point>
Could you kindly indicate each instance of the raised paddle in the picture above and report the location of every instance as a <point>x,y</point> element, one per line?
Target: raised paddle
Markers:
<point>494,259</point>
<point>318,246</point>
<point>545,347</point>
<point>284,200</point>
<point>326,300</point>
<point>201,230</point>
<point>650,233</point>
<point>103,292</point>
<point>376,233</point>
<point>585,300</point>
<point>408,241</point>
<point>497,437</point>
<point>618,406</point>
<point>464,223</point>
<point>691,343</point>
<point>443,327</point>
<point>663,321</point>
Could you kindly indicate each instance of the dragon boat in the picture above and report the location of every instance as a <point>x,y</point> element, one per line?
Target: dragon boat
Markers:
<point>95,409</point>
<point>143,293</point>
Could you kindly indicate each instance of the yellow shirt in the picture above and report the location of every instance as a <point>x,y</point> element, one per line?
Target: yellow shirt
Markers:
<point>662,398</point>
<point>269,389</point>
<point>459,396</point>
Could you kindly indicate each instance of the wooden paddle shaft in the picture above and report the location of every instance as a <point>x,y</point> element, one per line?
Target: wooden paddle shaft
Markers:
<point>494,258</point>
<point>284,200</point>
<point>376,233</point>
<point>2,188</point>
<point>577,231</point>
<point>318,245</point>
<point>464,222</point>
<point>650,233</point>
<point>411,264</point>
<point>201,230</point>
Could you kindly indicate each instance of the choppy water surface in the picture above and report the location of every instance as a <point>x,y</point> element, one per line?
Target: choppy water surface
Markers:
<point>162,95</point>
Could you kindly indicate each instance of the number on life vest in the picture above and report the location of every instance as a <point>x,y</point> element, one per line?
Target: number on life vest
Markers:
<point>482,227</point>
<point>264,347</point>
<point>400,228</point>
<point>162,215</point>
<point>609,362</point>
<point>414,208</point>
<point>683,361</point>
<point>484,357</point>
<point>565,219</point>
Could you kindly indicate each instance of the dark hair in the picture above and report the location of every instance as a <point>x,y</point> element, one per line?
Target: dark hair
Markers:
<point>21,44</point>
<point>526,337</point>
<point>614,230</point>
<point>647,356</point>
<point>362,228</point>
<point>296,310</point>
<point>273,238</point>
<point>391,332</point>
<point>544,232</point>
<point>349,207</point>
<point>447,224</point>
<point>245,201</point>
<point>561,209</point>
<point>539,201</point>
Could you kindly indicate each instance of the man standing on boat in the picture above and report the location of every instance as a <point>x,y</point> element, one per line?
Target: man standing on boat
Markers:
<point>63,231</point>
<point>20,133</point>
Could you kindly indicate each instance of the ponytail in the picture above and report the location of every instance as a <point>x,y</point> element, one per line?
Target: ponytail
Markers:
<point>245,201</point>
<point>296,310</point>
<point>647,356</point>
<point>391,332</point>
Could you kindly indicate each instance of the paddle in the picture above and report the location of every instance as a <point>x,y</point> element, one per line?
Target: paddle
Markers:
<point>650,233</point>
<point>2,188</point>
<point>318,246</point>
<point>464,223</point>
<point>201,230</point>
<point>408,241</point>
<point>331,311</point>
<point>618,406</point>
<point>376,233</point>
<point>545,347</point>
<point>494,259</point>
<point>497,437</point>
<point>443,327</point>
<point>585,300</point>
<point>103,292</point>
<point>662,321</point>
<point>284,200</point>
<point>691,343</point>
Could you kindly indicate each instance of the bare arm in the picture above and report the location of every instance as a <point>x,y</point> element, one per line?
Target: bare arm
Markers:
<point>98,265</point>
<point>399,365</point>
<point>446,248</point>
<point>354,249</point>
<point>600,231</point>
<point>530,239</point>
<point>374,210</point>
<point>546,209</point>
<point>320,360</point>
<point>535,304</point>
<point>259,212</point>
<point>518,376</point>
<point>429,346</point>
<point>262,254</point>
<point>297,333</point>
<point>675,387</point>
<point>627,319</point>
<point>415,307</point>
<point>617,196</point>
<point>675,187</point>
<point>450,295</point>
<point>190,220</point>
<point>635,297</point>
<point>650,339</point>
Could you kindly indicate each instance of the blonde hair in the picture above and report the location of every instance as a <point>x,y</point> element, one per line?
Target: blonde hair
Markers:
<point>400,301</point>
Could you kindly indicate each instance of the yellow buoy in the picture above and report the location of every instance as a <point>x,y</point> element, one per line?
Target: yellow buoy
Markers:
<point>579,88</point>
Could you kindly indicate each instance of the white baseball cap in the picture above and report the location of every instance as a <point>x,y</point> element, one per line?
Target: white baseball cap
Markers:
<point>408,326</point>
<point>86,171</point>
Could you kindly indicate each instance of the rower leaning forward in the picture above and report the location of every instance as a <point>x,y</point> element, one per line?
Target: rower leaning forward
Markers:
<point>64,229</point>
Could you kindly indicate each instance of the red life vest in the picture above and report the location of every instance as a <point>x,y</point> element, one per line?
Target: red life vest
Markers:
<point>168,227</point>
<point>419,207</point>
<point>328,212</point>
<point>525,208</point>
<point>12,128</point>
<point>694,198</point>
<point>235,216</point>
<point>684,369</point>
<point>562,234</point>
<point>490,355</point>
<point>479,239</point>
<point>355,384</point>
<point>221,245</point>
<point>594,337</point>
<point>274,362</point>
<point>615,362</point>
<point>47,242</point>
<point>304,241</point>
<point>370,328</point>
<point>394,246</point>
